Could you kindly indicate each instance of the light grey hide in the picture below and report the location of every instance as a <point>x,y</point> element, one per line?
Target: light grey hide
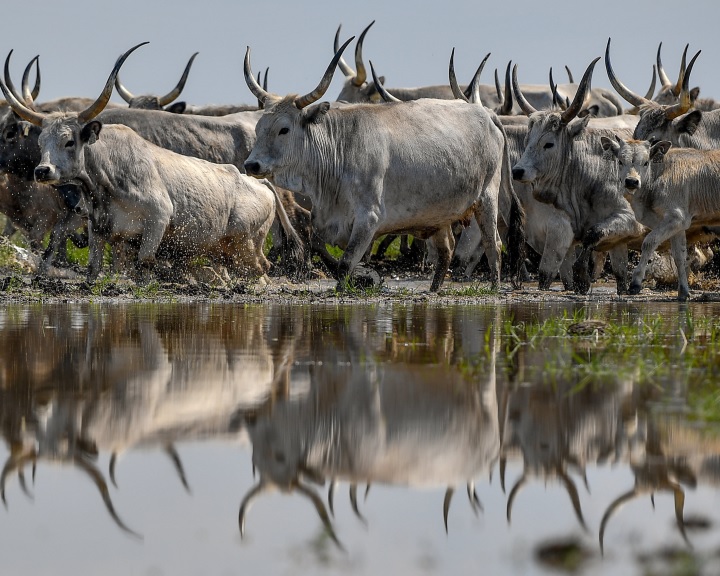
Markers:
<point>566,168</point>
<point>140,192</point>
<point>672,192</point>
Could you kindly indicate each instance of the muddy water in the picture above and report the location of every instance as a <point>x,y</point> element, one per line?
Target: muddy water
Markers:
<point>360,439</point>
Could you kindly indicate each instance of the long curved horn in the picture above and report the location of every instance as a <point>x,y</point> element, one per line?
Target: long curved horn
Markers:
<point>620,88</point>
<point>574,497</point>
<point>96,107</point>
<point>361,75</point>
<point>570,74</point>
<point>557,99</point>
<point>513,493</point>
<point>331,496</point>
<point>507,100</point>
<point>672,112</point>
<point>614,506</point>
<point>473,89</point>
<point>581,94</point>
<point>459,94</point>
<point>30,95</point>
<point>524,104</point>
<point>664,80</point>
<point>380,88</point>
<point>502,465</point>
<point>101,485</point>
<point>651,91</point>
<point>678,85</point>
<point>14,462</point>
<point>446,505</point>
<point>354,503</point>
<point>177,463</point>
<point>247,501</point>
<point>23,484</point>
<point>125,94</point>
<point>175,92</point>
<point>679,497</point>
<point>498,90</point>
<point>322,512</point>
<point>252,84</point>
<point>344,68</point>
<point>473,497</point>
<point>303,101</point>
<point>8,80</point>
<point>113,462</point>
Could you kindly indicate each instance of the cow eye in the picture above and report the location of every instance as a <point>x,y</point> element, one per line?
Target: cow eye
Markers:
<point>548,145</point>
<point>646,163</point>
<point>69,143</point>
<point>283,131</point>
<point>10,134</point>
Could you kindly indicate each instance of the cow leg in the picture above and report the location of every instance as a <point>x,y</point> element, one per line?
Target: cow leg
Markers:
<point>151,238</point>
<point>678,246</point>
<point>566,269</point>
<point>361,237</point>
<point>95,255</point>
<point>619,262</point>
<point>671,225</point>
<point>466,252</point>
<point>556,251</point>
<point>581,271</point>
<point>444,242</point>
<point>486,216</point>
<point>57,246</point>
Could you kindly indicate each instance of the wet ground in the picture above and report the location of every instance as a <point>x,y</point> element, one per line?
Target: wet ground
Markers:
<point>364,435</point>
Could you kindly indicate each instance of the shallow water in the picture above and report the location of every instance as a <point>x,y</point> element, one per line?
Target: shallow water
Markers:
<point>134,436</point>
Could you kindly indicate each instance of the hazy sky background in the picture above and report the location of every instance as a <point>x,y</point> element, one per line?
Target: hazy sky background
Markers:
<point>410,43</point>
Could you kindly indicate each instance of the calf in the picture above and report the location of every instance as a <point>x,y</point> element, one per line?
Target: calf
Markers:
<point>672,192</point>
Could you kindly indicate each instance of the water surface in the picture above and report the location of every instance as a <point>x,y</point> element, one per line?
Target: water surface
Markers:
<point>447,439</point>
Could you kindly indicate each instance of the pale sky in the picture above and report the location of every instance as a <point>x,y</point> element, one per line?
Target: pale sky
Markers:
<point>410,43</point>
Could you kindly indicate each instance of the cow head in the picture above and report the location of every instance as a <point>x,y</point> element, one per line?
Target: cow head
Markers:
<point>634,158</point>
<point>550,133</point>
<point>152,102</point>
<point>669,93</point>
<point>657,121</point>
<point>282,130</point>
<point>356,88</point>
<point>64,134</point>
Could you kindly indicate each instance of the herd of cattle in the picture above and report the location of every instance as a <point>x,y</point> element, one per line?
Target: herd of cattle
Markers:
<point>563,168</point>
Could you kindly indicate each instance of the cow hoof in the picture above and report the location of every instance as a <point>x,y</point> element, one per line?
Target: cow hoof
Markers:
<point>622,289</point>
<point>634,289</point>
<point>683,296</point>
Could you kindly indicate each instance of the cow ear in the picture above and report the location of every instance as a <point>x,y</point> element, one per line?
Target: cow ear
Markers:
<point>610,145</point>
<point>689,122</point>
<point>177,108</point>
<point>694,93</point>
<point>591,111</point>
<point>91,132</point>
<point>314,114</point>
<point>658,150</point>
<point>578,126</point>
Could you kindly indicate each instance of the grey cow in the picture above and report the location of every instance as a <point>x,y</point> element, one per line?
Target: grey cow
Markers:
<point>672,192</point>
<point>564,163</point>
<point>409,167</point>
<point>140,193</point>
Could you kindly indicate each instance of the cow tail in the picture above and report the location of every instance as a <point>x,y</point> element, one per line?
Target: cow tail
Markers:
<point>295,246</point>
<point>516,225</point>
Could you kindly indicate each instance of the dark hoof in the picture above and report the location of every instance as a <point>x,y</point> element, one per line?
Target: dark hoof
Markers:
<point>683,296</point>
<point>582,287</point>
<point>634,289</point>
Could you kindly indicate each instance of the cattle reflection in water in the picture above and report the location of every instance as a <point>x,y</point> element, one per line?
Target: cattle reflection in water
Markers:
<point>409,424</point>
<point>77,382</point>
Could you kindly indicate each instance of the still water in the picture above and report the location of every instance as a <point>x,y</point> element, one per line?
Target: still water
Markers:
<point>360,439</point>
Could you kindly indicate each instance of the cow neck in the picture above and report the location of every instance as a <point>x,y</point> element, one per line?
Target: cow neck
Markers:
<point>324,158</point>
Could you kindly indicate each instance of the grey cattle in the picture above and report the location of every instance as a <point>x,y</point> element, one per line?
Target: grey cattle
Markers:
<point>178,206</point>
<point>670,92</point>
<point>684,127</point>
<point>357,89</point>
<point>672,192</point>
<point>410,167</point>
<point>152,102</point>
<point>565,165</point>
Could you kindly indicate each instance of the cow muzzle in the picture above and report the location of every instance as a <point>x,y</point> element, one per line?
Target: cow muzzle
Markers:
<point>44,174</point>
<point>254,169</point>
<point>518,174</point>
<point>632,184</point>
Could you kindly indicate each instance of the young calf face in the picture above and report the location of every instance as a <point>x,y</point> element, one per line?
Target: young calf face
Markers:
<point>634,158</point>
